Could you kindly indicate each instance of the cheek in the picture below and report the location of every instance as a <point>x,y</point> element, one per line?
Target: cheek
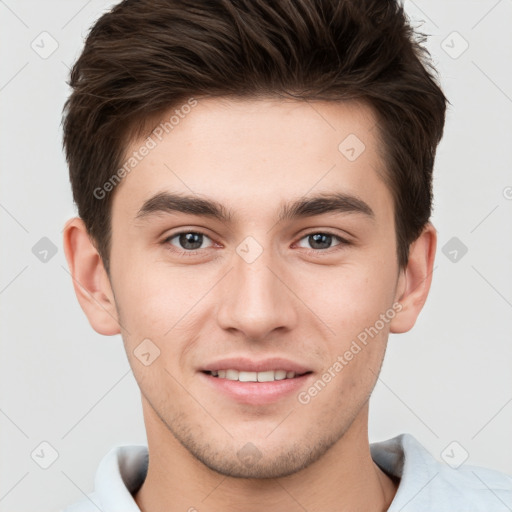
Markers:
<point>152,295</point>
<point>348,298</point>
<point>166,306</point>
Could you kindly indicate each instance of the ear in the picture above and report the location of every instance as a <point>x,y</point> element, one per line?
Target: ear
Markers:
<point>90,279</point>
<point>414,281</point>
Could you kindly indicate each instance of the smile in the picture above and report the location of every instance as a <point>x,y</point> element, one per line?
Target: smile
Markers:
<point>263,376</point>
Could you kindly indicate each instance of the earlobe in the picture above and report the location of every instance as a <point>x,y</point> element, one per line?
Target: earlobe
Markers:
<point>90,280</point>
<point>415,280</point>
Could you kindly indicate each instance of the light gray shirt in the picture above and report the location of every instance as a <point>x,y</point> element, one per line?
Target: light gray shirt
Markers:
<point>426,484</point>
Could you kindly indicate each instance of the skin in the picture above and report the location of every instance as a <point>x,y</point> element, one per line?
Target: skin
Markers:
<point>252,156</point>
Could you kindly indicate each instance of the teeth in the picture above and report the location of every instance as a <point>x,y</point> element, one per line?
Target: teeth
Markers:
<point>232,374</point>
<point>247,376</point>
<point>266,376</point>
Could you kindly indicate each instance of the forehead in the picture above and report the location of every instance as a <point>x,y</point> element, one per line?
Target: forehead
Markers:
<point>242,152</point>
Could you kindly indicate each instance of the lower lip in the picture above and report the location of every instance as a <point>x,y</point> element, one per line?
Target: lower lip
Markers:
<point>257,393</point>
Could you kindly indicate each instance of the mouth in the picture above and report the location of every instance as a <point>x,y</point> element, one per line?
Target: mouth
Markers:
<point>250,376</point>
<point>243,380</point>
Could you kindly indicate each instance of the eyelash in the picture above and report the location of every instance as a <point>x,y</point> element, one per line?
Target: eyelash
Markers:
<point>312,252</point>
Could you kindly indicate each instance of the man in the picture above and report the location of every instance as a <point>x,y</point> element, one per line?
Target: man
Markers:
<point>253,181</point>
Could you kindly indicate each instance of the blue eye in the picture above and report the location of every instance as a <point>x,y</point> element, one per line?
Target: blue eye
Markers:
<point>191,243</point>
<point>322,241</point>
<point>188,240</point>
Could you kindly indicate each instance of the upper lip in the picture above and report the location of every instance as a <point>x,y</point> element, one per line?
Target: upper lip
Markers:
<point>246,364</point>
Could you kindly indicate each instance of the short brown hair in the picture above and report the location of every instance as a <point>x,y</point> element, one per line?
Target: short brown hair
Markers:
<point>147,56</point>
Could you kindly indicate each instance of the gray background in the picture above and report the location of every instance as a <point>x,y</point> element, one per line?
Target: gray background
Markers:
<point>448,380</point>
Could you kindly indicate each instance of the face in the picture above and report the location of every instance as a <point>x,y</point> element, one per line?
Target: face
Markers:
<point>256,239</point>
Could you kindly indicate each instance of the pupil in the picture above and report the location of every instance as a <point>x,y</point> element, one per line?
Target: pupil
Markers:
<point>317,238</point>
<point>191,238</point>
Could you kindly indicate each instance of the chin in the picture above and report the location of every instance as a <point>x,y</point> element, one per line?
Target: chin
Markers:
<point>263,458</point>
<point>258,466</point>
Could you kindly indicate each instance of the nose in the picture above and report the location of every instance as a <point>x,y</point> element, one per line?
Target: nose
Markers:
<point>257,298</point>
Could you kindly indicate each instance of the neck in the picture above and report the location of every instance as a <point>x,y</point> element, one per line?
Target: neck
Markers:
<point>345,478</point>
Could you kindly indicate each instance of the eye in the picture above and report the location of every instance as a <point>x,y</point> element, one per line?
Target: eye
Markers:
<point>322,241</point>
<point>188,241</point>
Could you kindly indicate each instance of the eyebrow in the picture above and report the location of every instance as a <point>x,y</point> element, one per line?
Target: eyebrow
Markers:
<point>165,202</point>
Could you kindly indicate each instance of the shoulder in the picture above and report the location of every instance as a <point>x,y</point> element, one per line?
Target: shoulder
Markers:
<point>429,484</point>
<point>120,474</point>
<point>474,488</point>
